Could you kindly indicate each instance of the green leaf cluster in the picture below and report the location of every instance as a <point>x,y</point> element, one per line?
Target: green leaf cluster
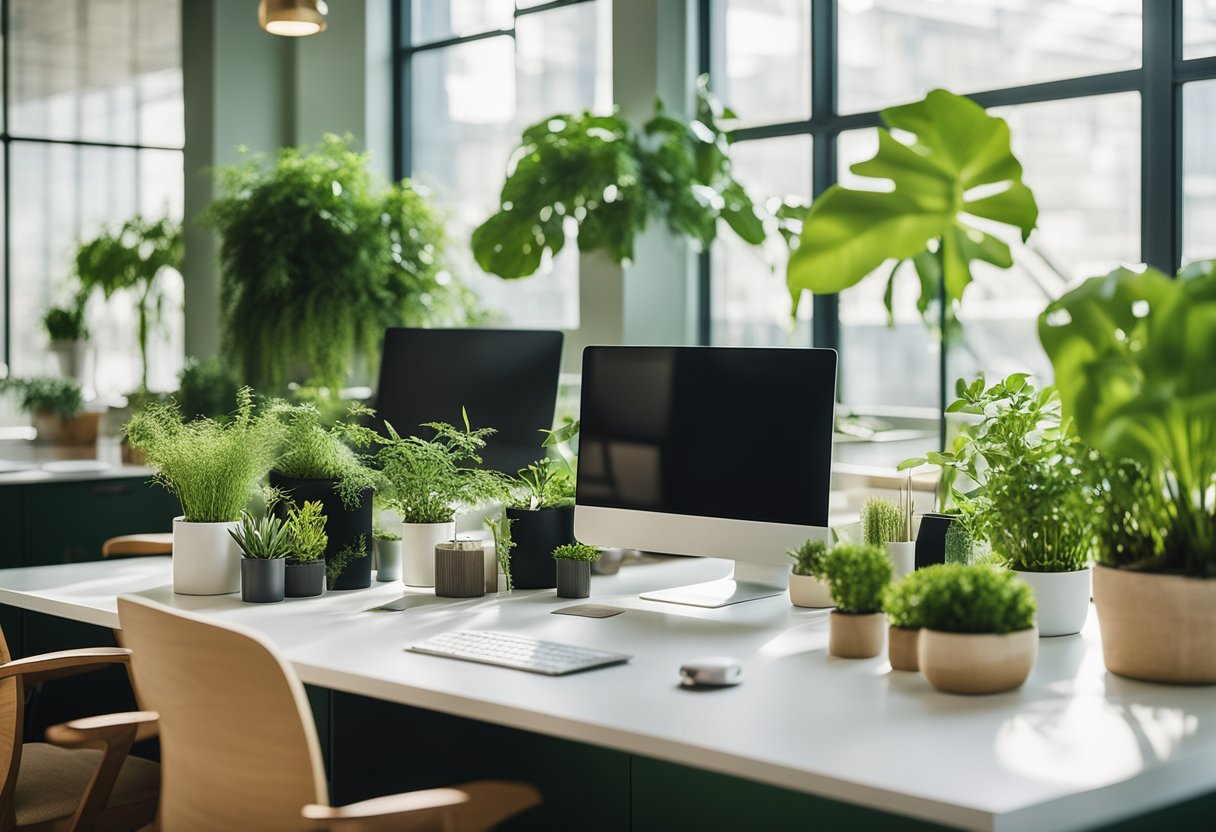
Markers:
<point>266,539</point>
<point>857,576</point>
<point>903,600</point>
<point>318,258</point>
<point>206,389</point>
<point>808,558</point>
<point>60,396</point>
<point>596,174</point>
<point>336,564</point>
<point>576,551</point>
<point>314,450</point>
<point>213,468</point>
<point>306,525</point>
<point>883,522</point>
<point>500,528</point>
<point>550,481</point>
<point>1132,354</point>
<point>958,165</point>
<point>65,323</point>
<point>960,598</point>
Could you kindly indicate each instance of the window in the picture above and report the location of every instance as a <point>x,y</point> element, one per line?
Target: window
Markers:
<point>94,130</point>
<point>475,74</point>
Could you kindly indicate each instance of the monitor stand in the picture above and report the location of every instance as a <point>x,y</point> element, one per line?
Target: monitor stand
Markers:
<point>748,582</point>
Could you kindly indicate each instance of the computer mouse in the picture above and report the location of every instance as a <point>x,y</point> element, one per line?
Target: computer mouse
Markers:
<point>716,671</point>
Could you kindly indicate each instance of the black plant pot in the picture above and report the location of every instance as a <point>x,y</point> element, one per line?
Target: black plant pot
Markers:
<point>931,539</point>
<point>344,526</point>
<point>304,580</point>
<point>573,578</point>
<point>261,580</point>
<point>536,535</point>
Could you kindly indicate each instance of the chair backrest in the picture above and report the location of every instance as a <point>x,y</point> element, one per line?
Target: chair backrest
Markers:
<point>238,745</point>
<point>12,717</point>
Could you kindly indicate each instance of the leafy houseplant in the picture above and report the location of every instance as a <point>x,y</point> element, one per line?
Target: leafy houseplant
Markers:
<point>857,576</point>
<point>305,571</point>
<point>133,259</point>
<point>541,509</point>
<point>574,569</point>
<point>889,525</point>
<point>56,406</point>
<point>213,469</point>
<point>807,586</point>
<point>64,324</point>
<point>903,601</point>
<point>978,631</point>
<point>318,259</point>
<point>1132,358</point>
<point>264,544</point>
<point>387,545</point>
<point>601,175</point>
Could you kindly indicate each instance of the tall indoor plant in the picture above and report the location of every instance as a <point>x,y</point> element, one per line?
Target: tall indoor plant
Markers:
<point>541,510</point>
<point>1132,354</point>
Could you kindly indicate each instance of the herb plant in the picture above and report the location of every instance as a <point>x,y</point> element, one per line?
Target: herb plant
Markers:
<point>500,528</point>
<point>213,468</point>
<point>306,526</point>
<point>311,450</point>
<point>576,551</point>
<point>857,576</point>
<point>318,259</point>
<point>958,598</point>
<point>808,558</point>
<point>65,323</point>
<point>265,539</point>
<point>59,396</point>
<point>337,563</point>
<point>903,600</point>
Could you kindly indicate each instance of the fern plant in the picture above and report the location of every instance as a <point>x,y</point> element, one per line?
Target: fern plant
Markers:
<point>212,468</point>
<point>306,525</point>
<point>857,576</point>
<point>337,563</point>
<point>312,450</point>
<point>808,558</point>
<point>266,539</point>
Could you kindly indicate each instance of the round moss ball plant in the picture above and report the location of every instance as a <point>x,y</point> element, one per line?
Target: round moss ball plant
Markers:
<point>857,576</point>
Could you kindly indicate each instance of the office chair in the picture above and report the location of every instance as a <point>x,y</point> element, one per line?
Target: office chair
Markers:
<point>83,779</point>
<point>138,545</point>
<point>239,748</point>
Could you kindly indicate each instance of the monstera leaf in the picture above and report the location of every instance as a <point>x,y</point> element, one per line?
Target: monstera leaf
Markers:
<point>959,166</point>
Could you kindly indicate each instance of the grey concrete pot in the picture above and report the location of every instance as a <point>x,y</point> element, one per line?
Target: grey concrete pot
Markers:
<point>573,578</point>
<point>262,580</point>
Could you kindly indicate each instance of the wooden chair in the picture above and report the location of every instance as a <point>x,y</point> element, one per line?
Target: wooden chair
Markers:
<point>83,779</point>
<point>138,545</point>
<point>239,748</point>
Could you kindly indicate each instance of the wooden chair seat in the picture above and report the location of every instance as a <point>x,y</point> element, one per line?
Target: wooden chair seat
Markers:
<point>51,781</point>
<point>138,545</point>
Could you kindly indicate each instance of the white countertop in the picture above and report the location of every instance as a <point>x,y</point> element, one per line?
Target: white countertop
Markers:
<point>1075,747</point>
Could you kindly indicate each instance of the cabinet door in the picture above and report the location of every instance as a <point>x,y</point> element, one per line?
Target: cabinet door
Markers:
<point>67,522</point>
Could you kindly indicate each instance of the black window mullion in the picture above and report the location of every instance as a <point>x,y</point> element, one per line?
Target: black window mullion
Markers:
<point>1160,198</point>
<point>825,320</point>
<point>403,151</point>
<point>5,61</point>
<point>705,321</point>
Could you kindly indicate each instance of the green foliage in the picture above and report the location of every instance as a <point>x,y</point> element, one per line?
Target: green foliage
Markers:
<point>318,259</point>
<point>959,165</point>
<point>856,576</point>
<point>337,563</point>
<point>808,558</point>
<point>576,551</point>
<point>54,395</point>
<point>1132,353</point>
<point>381,533</point>
<point>206,389</point>
<point>132,258</point>
<point>265,539</point>
<point>959,545</point>
<point>213,468</point>
<point>313,451</point>
<point>903,600</point>
<point>429,479</point>
<point>1131,513</point>
<point>882,522</point>
<point>65,323</point>
<point>598,174</point>
<point>307,528</point>
<point>503,544</point>
<point>958,598</point>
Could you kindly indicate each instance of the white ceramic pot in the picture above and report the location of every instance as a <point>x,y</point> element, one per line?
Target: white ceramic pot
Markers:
<point>903,558</point>
<point>1062,599</point>
<point>206,560</point>
<point>977,663</point>
<point>418,542</point>
<point>806,591</point>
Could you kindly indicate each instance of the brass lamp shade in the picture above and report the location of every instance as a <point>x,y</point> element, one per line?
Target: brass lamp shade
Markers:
<point>292,18</point>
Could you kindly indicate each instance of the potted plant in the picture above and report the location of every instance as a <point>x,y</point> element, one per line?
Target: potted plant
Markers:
<point>978,634</point>
<point>213,469</point>
<point>387,545</point>
<point>857,576</point>
<point>504,543</point>
<point>305,570</point>
<point>902,602</point>
<point>1132,354</point>
<point>56,407</point>
<point>574,569</point>
<point>264,545</point>
<point>69,336</point>
<point>807,586</point>
<point>428,481</point>
<point>322,463</point>
<point>888,526</point>
<point>541,510</point>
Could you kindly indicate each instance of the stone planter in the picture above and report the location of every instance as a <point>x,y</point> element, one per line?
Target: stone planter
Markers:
<point>304,580</point>
<point>977,663</point>
<point>1061,599</point>
<point>807,591</point>
<point>460,569</point>
<point>262,580</point>
<point>573,578</point>
<point>853,636</point>
<point>902,646</point>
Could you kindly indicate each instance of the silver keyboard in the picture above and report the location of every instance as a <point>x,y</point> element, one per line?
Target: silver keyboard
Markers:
<point>518,652</point>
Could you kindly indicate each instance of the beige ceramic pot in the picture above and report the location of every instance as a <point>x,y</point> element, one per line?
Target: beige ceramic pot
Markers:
<point>901,648</point>
<point>806,591</point>
<point>852,636</point>
<point>976,663</point>
<point>1158,628</point>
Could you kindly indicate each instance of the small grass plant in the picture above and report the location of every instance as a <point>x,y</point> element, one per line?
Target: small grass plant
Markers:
<point>857,576</point>
<point>903,601</point>
<point>313,450</point>
<point>576,551</point>
<point>962,598</point>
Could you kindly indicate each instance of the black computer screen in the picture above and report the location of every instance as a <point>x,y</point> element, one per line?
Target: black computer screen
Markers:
<point>737,433</point>
<point>506,379</point>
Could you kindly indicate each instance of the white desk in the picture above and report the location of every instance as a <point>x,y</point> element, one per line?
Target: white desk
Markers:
<point>1074,748</point>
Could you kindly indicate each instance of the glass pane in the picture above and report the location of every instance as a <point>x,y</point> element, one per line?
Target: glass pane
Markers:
<point>432,20</point>
<point>1198,28</point>
<point>158,55</point>
<point>762,58</point>
<point>749,299</point>
<point>894,51</point>
<point>1198,171</point>
<point>563,61</point>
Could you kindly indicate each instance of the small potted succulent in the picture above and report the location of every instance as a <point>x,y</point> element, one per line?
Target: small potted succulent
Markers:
<point>857,576</point>
<point>807,586</point>
<point>56,408</point>
<point>888,526</point>
<point>264,544</point>
<point>574,569</point>
<point>978,634</point>
<point>387,546</point>
<point>541,509</point>
<point>902,603</point>
<point>305,570</point>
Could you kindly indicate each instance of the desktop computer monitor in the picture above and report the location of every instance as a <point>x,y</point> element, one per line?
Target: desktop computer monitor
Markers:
<point>710,451</point>
<point>506,379</point>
